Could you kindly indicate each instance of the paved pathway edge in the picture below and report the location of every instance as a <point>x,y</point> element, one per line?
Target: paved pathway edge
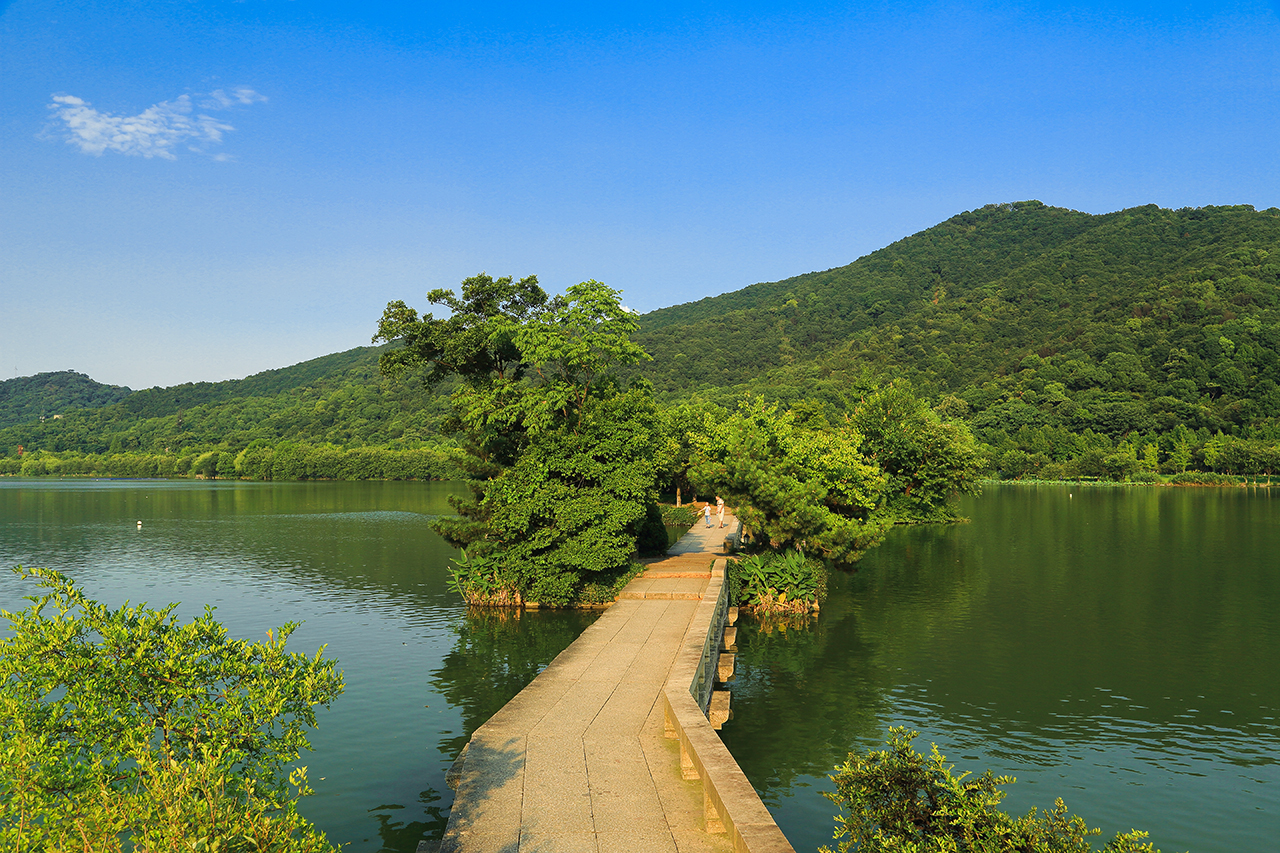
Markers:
<point>730,802</point>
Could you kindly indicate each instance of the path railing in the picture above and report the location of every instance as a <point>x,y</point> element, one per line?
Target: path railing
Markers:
<point>730,803</point>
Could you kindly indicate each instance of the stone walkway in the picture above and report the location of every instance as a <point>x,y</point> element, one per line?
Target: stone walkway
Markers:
<point>577,761</point>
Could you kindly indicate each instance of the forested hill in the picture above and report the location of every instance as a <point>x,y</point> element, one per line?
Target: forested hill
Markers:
<point>1058,335</point>
<point>156,402</point>
<point>1140,320</point>
<point>339,398</point>
<point>30,398</point>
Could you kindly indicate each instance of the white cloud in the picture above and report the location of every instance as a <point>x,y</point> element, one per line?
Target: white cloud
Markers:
<point>218,99</point>
<point>155,132</point>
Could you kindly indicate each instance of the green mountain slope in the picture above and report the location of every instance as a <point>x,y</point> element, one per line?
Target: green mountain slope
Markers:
<point>1137,320</point>
<point>339,399</point>
<point>1056,333</point>
<point>29,398</point>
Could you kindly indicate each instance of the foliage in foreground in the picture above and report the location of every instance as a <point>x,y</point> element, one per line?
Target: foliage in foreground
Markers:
<point>128,730</point>
<point>898,801</point>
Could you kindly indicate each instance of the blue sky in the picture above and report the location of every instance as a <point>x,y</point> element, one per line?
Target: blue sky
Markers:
<point>203,189</point>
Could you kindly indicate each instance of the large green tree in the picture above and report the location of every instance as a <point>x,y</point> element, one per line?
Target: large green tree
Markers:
<point>832,485</point>
<point>561,456</point>
<point>793,487</point>
<point>926,460</point>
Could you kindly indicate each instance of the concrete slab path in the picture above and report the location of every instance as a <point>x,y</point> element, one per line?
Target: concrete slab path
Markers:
<point>577,761</point>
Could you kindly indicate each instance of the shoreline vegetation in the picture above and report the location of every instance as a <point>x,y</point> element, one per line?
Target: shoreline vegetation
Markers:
<point>382,464</point>
<point>259,461</point>
<point>299,463</point>
<point>1196,479</point>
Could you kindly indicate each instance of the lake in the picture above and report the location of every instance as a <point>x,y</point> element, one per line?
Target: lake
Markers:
<point>1116,647</point>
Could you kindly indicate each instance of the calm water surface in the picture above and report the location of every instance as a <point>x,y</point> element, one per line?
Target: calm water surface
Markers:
<point>357,563</point>
<point>1119,648</point>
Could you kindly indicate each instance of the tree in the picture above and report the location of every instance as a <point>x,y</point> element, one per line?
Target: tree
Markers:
<point>925,459</point>
<point>680,426</point>
<point>572,505</point>
<point>476,342</point>
<point>793,488</point>
<point>898,801</point>
<point>562,457</point>
<point>127,724</point>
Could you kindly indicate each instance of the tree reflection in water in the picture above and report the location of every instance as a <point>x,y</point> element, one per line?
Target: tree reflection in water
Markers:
<point>400,836</point>
<point>497,652</point>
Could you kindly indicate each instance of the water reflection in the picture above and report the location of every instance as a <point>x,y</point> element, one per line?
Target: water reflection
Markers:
<point>495,654</point>
<point>1117,647</point>
<point>398,835</point>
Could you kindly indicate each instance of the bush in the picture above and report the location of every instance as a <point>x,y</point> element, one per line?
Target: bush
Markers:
<point>651,533</point>
<point>898,800</point>
<point>127,730</point>
<point>481,580</point>
<point>678,516</point>
<point>603,589</point>
<point>1203,478</point>
<point>778,582</point>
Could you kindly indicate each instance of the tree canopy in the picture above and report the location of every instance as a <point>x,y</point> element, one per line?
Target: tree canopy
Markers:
<point>802,481</point>
<point>561,455</point>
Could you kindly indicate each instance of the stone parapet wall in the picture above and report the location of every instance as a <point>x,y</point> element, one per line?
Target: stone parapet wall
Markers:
<point>730,802</point>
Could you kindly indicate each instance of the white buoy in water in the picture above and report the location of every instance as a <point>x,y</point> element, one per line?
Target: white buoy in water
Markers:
<point>139,524</point>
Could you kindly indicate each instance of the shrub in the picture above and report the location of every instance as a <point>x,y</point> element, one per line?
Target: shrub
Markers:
<point>1202,478</point>
<point>778,582</point>
<point>651,533</point>
<point>125,729</point>
<point>678,516</point>
<point>898,800</point>
<point>603,590</point>
<point>480,580</point>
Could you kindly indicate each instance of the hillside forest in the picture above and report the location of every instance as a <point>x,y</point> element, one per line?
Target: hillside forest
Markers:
<point>1137,345</point>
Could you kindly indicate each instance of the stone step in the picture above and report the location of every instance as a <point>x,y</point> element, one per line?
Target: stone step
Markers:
<point>661,596</point>
<point>676,574</point>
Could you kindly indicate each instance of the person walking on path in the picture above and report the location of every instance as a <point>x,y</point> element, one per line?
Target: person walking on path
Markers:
<point>720,509</point>
<point>706,513</point>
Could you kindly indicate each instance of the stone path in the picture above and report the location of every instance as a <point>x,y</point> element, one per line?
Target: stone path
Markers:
<point>577,761</point>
